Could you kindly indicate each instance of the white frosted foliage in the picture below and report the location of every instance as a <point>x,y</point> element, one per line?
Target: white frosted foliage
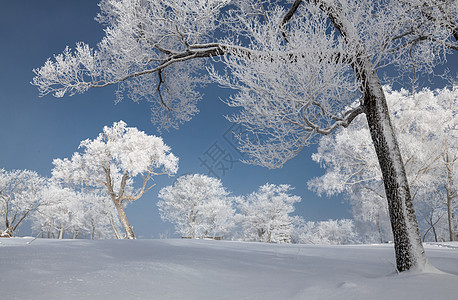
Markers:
<point>198,206</point>
<point>19,197</point>
<point>425,124</point>
<point>114,161</point>
<point>297,66</point>
<point>265,214</point>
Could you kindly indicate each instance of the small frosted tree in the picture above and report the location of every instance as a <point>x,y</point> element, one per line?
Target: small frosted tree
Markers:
<point>113,161</point>
<point>198,206</point>
<point>330,232</point>
<point>19,197</point>
<point>265,214</point>
<point>99,219</point>
<point>61,211</point>
<point>65,211</point>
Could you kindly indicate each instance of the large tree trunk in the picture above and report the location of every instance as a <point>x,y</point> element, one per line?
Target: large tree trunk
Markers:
<point>407,241</point>
<point>125,223</point>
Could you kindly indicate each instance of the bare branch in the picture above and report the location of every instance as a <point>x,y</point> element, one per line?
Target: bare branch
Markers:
<point>291,12</point>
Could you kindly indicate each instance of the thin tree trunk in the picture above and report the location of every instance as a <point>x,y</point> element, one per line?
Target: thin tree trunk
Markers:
<point>61,234</point>
<point>379,229</point>
<point>407,241</point>
<point>450,196</point>
<point>115,228</point>
<point>435,233</point>
<point>125,223</point>
<point>450,216</point>
<point>93,232</point>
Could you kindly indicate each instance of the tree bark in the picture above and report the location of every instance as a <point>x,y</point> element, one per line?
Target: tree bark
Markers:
<point>125,223</point>
<point>379,227</point>
<point>115,229</point>
<point>61,234</point>
<point>450,195</point>
<point>450,216</point>
<point>117,200</point>
<point>407,241</point>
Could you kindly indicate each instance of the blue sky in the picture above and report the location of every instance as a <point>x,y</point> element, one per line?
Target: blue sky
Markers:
<point>34,131</point>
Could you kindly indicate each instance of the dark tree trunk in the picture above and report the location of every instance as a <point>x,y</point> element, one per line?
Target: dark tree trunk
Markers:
<point>379,227</point>
<point>407,241</point>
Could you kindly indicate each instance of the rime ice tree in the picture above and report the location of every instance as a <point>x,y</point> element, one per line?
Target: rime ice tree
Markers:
<point>64,210</point>
<point>198,206</point>
<point>19,196</point>
<point>264,214</point>
<point>426,126</point>
<point>331,232</point>
<point>99,219</point>
<point>61,211</point>
<point>297,68</point>
<point>113,160</point>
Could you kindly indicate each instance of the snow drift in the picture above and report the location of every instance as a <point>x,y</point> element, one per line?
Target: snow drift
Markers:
<point>204,269</point>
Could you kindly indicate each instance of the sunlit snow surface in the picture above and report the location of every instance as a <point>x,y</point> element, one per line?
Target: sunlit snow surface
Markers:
<point>203,269</point>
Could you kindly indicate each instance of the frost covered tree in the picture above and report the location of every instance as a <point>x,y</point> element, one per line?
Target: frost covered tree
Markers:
<point>298,66</point>
<point>198,206</point>
<point>61,211</point>
<point>19,191</point>
<point>65,211</point>
<point>99,219</point>
<point>426,124</point>
<point>265,214</point>
<point>330,232</point>
<point>114,161</point>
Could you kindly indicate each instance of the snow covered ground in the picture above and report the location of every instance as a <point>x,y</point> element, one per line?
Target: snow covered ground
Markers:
<point>202,269</point>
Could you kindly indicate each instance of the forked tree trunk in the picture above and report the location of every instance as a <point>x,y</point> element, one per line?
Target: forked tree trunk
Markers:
<point>117,201</point>
<point>407,241</point>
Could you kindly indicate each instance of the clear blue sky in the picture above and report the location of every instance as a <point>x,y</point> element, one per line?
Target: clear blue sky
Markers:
<point>34,131</point>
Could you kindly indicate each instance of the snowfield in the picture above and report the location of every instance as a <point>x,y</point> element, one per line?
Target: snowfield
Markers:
<point>204,269</point>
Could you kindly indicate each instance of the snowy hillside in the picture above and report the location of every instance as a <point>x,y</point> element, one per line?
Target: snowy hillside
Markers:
<point>201,269</point>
